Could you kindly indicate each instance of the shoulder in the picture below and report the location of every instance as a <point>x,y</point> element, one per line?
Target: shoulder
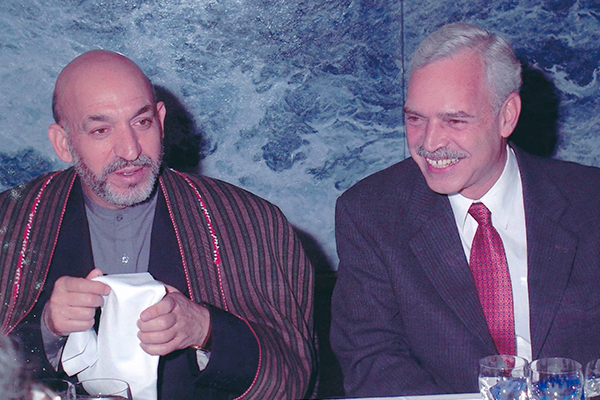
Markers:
<point>25,192</point>
<point>562,190</point>
<point>223,195</point>
<point>567,175</point>
<point>391,184</point>
<point>553,165</point>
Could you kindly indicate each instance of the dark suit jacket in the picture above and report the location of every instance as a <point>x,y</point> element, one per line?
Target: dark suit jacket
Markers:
<point>406,318</point>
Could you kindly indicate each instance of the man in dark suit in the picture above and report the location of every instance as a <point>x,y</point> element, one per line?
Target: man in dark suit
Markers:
<point>237,316</point>
<point>410,313</point>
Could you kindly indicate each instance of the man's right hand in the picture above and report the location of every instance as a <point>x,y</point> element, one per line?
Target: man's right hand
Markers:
<point>73,302</point>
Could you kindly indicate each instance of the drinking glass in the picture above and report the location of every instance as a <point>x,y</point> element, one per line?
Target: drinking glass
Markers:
<point>503,377</point>
<point>53,389</point>
<point>103,389</point>
<point>592,380</point>
<point>555,379</point>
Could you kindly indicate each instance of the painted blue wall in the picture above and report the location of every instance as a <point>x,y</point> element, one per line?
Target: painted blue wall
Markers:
<point>294,100</point>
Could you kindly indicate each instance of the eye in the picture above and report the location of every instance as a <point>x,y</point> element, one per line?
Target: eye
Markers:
<point>144,123</point>
<point>412,119</point>
<point>456,122</point>
<point>99,131</point>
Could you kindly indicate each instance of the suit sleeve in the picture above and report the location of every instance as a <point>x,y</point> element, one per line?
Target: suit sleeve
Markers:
<point>262,278</point>
<point>234,354</point>
<point>281,318</point>
<point>367,332</point>
<point>267,283</point>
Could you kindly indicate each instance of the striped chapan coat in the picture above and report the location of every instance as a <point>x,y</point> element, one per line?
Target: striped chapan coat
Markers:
<point>238,251</point>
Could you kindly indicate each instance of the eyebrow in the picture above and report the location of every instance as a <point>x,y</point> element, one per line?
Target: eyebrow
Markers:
<point>105,118</point>
<point>445,115</point>
<point>143,110</point>
<point>409,111</point>
<point>457,114</point>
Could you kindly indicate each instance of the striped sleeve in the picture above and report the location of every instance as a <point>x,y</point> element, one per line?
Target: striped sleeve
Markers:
<point>30,216</point>
<point>265,279</point>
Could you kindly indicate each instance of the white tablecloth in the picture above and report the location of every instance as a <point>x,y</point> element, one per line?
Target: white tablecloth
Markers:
<point>460,396</point>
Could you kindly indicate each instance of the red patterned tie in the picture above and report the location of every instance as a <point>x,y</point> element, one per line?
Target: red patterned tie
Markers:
<point>490,272</point>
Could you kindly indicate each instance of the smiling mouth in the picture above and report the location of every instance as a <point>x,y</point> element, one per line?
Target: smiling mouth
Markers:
<point>442,163</point>
<point>440,158</point>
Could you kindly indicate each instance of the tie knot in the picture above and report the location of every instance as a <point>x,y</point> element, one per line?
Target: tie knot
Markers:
<point>480,212</point>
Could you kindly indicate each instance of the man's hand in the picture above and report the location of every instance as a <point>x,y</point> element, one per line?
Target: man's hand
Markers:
<point>73,302</point>
<point>173,323</point>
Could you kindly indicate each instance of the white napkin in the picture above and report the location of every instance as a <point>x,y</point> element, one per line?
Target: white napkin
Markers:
<point>115,352</point>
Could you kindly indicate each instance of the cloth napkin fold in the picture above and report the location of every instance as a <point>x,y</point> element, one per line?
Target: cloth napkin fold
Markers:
<point>115,351</point>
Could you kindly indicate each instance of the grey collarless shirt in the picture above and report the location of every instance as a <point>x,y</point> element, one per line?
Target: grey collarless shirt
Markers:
<point>121,238</point>
<point>120,245</point>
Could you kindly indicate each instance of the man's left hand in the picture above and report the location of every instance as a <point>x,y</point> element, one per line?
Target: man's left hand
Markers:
<point>173,323</point>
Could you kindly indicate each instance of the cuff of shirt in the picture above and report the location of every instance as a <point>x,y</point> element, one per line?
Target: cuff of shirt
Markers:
<point>202,358</point>
<point>53,345</point>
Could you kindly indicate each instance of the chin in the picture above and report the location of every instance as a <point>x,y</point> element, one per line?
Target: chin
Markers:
<point>130,196</point>
<point>441,187</point>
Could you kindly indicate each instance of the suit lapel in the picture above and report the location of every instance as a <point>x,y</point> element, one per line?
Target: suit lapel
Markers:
<point>436,244</point>
<point>550,247</point>
<point>165,263</point>
<point>73,253</point>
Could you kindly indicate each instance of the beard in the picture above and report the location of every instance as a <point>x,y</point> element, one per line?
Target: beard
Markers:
<point>99,184</point>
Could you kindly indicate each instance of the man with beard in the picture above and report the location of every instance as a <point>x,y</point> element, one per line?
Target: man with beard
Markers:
<point>237,316</point>
<point>469,248</point>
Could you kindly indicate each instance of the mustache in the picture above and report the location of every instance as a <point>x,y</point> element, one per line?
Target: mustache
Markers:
<point>440,154</point>
<point>119,163</point>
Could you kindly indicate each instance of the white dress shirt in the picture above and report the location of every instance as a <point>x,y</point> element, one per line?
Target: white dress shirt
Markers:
<point>505,201</point>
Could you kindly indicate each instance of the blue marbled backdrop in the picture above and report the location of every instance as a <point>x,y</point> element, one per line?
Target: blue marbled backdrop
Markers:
<point>293,100</point>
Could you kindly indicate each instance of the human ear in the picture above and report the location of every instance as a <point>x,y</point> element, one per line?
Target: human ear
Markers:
<point>60,142</point>
<point>161,111</point>
<point>509,114</point>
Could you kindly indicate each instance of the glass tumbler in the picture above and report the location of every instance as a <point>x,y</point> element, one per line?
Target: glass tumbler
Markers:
<point>555,379</point>
<point>592,380</point>
<point>103,389</point>
<point>53,389</point>
<point>503,377</point>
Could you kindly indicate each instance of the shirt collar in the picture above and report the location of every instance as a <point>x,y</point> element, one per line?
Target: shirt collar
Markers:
<point>130,213</point>
<point>499,199</point>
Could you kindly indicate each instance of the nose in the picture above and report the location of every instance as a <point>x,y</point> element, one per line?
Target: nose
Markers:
<point>127,145</point>
<point>434,136</point>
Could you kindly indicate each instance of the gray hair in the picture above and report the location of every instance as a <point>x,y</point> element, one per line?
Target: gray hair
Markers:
<point>502,69</point>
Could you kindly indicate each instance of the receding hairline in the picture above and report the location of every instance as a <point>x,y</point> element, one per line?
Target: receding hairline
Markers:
<point>81,65</point>
<point>502,70</point>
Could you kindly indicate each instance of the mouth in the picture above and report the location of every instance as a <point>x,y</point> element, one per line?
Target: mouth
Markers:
<point>441,158</point>
<point>442,163</point>
<point>129,172</point>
